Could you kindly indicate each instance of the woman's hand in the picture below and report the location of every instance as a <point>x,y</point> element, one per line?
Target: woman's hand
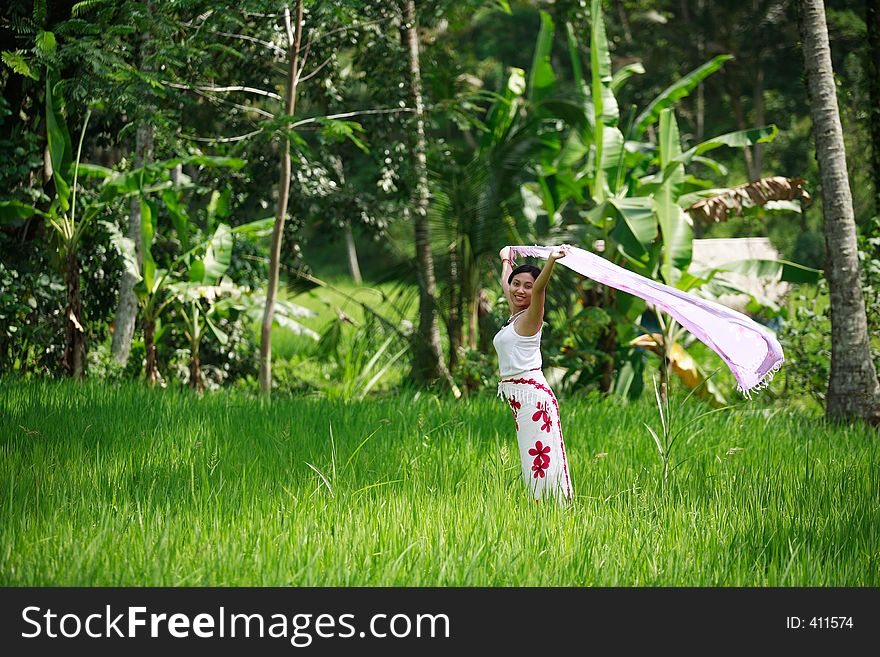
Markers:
<point>558,252</point>
<point>504,253</point>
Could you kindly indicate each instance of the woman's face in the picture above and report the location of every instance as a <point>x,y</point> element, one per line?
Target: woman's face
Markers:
<point>521,291</point>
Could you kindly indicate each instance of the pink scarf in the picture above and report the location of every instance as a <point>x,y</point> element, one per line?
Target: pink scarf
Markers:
<point>750,350</point>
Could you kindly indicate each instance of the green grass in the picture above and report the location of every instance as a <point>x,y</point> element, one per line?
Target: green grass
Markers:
<point>121,485</point>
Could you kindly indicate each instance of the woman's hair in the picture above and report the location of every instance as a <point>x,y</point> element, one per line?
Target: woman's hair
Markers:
<point>524,269</point>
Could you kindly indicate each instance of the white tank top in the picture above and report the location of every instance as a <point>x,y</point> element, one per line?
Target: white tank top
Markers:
<point>517,353</point>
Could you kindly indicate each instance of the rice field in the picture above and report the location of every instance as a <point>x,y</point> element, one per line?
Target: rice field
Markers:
<point>124,486</point>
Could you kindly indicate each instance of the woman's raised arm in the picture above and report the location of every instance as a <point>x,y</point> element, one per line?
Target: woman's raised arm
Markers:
<point>533,318</point>
<point>506,268</point>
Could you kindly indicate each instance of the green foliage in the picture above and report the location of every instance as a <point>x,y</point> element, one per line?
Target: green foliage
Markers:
<point>473,197</point>
<point>523,147</point>
<point>359,362</point>
<point>678,90</point>
<point>340,131</point>
<point>475,370</point>
<point>103,366</point>
<point>229,355</point>
<point>805,333</point>
<point>33,297</point>
<point>195,281</point>
<point>19,64</point>
<point>31,311</point>
<point>628,193</point>
<point>572,345</point>
<point>85,6</point>
<point>805,336</point>
<point>809,249</point>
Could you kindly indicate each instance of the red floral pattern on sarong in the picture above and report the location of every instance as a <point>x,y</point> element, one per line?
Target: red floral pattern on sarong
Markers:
<point>541,415</point>
<point>541,453</point>
<point>514,406</point>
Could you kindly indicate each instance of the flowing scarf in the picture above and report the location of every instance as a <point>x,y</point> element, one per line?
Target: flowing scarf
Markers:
<point>750,350</point>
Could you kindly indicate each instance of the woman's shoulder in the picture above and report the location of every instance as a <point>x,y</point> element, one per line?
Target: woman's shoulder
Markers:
<point>521,335</point>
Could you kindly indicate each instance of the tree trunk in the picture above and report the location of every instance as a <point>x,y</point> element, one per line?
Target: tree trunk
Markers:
<point>126,311</point>
<point>853,389</point>
<point>427,362</point>
<point>294,40</point>
<point>487,329</point>
<point>75,351</point>
<point>758,149</point>
<point>872,19</point>
<point>152,369</point>
<point>454,324</point>
<point>735,92</point>
<point>701,88</point>
<point>474,322</point>
<point>353,265</point>
<point>195,370</point>
<point>127,308</point>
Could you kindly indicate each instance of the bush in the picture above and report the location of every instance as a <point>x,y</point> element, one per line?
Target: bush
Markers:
<point>32,302</point>
<point>220,364</point>
<point>572,344</point>
<point>805,336</point>
<point>475,370</point>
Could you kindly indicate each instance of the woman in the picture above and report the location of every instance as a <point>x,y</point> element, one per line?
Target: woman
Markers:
<point>534,406</point>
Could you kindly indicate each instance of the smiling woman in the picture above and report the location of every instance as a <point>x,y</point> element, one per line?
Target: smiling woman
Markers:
<point>522,384</point>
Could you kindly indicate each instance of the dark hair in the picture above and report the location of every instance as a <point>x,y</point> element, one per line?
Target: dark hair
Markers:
<point>524,269</point>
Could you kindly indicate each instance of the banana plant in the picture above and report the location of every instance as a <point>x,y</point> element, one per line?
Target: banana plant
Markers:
<point>197,298</point>
<point>159,287</point>
<point>209,293</point>
<point>196,283</point>
<point>61,217</point>
<point>633,194</point>
<point>192,278</point>
<point>70,216</point>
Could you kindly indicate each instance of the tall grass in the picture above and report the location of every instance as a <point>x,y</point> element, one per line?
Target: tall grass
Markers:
<point>124,486</point>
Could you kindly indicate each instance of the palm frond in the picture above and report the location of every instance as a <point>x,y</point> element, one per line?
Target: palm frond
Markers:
<point>85,6</point>
<point>40,12</point>
<point>23,26</point>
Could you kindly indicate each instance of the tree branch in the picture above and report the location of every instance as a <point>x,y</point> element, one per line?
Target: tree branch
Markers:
<point>345,115</point>
<point>302,64</point>
<point>221,140</point>
<point>267,44</point>
<point>253,90</point>
<point>258,15</point>
<point>246,108</point>
<point>343,29</point>
<point>315,72</point>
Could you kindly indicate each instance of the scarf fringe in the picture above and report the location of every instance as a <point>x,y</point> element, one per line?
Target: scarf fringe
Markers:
<point>763,383</point>
<point>524,393</point>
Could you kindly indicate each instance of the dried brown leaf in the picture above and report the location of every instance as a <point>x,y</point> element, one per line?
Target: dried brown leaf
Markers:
<point>758,193</point>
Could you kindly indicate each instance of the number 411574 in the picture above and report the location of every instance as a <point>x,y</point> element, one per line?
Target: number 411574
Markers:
<point>830,622</point>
